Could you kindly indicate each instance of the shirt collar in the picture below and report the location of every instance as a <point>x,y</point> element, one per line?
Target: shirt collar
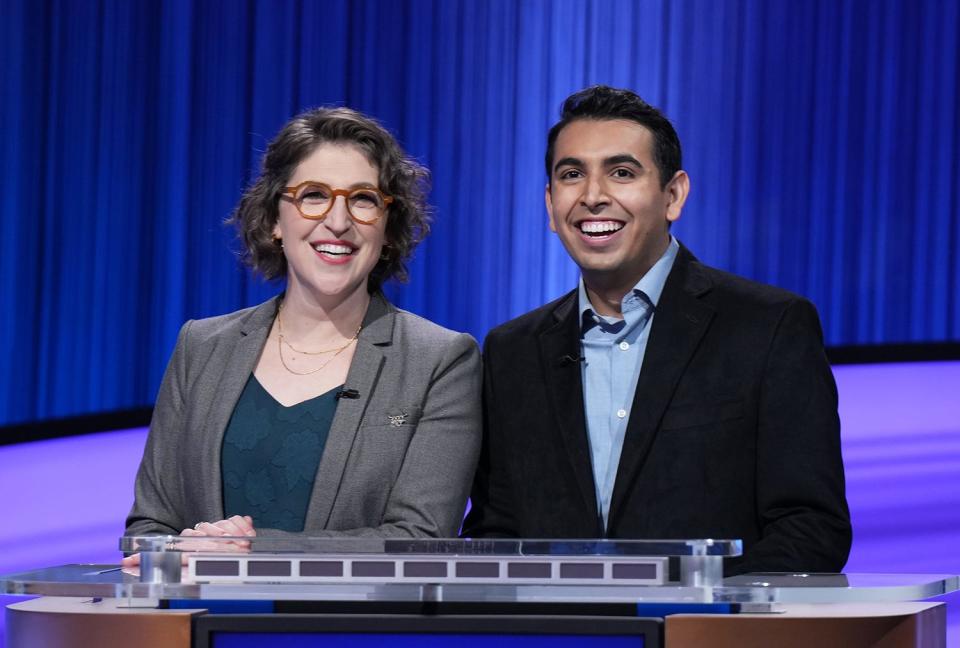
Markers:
<point>649,288</point>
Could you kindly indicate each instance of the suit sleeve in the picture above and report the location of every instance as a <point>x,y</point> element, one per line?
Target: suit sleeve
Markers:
<point>430,493</point>
<point>491,512</point>
<point>158,506</point>
<point>802,507</point>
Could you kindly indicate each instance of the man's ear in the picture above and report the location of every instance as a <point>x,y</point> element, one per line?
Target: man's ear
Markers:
<point>548,199</point>
<point>677,191</point>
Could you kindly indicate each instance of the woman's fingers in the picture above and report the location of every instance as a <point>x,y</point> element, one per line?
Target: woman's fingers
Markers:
<point>235,527</point>
<point>245,523</point>
<point>211,529</point>
<point>239,526</point>
<point>231,527</point>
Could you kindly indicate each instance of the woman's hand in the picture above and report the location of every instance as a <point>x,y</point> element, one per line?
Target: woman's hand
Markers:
<point>236,526</point>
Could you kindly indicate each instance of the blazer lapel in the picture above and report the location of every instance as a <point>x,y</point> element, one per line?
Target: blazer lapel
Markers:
<point>679,323</point>
<point>368,359</point>
<point>236,371</point>
<point>559,349</point>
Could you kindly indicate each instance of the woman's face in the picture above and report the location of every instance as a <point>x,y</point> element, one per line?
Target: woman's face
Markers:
<point>332,257</point>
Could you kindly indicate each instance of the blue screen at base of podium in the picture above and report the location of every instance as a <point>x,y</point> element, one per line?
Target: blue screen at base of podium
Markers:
<point>504,629</point>
<point>419,640</point>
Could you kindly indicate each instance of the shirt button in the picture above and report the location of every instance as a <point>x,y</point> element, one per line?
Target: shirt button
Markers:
<point>624,345</point>
<point>621,413</point>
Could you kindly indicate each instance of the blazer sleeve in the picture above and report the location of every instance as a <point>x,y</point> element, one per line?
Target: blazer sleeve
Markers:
<point>430,493</point>
<point>802,507</point>
<point>490,511</point>
<point>158,503</point>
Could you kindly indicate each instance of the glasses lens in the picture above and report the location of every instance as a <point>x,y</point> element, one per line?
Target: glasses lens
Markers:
<point>366,204</point>
<point>314,199</point>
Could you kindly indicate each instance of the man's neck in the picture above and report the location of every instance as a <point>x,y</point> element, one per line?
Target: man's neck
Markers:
<point>606,290</point>
<point>605,301</point>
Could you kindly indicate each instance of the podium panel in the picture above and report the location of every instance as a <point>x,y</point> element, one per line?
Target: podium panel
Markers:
<point>60,622</point>
<point>419,631</point>
<point>802,625</point>
<point>238,592</point>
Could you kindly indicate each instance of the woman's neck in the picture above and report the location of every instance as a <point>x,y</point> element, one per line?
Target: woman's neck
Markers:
<point>308,317</point>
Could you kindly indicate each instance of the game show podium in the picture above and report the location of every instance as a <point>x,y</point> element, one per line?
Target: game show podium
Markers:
<point>295,591</point>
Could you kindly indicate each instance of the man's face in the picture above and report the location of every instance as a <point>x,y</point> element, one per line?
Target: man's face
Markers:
<point>605,201</point>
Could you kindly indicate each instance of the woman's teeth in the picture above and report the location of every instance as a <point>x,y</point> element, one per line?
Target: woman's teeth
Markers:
<point>330,248</point>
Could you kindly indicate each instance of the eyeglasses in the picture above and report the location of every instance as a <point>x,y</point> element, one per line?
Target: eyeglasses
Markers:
<point>314,200</point>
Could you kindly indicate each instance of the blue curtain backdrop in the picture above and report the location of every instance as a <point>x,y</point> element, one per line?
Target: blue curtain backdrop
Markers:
<point>822,140</point>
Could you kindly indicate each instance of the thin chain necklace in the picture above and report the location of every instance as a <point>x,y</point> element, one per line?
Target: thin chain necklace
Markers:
<point>336,351</point>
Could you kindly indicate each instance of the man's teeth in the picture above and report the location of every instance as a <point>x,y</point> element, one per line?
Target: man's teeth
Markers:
<point>600,227</point>
<point>331,248</point>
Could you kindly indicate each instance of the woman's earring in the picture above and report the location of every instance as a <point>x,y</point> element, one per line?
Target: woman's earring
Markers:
<point>277,241</point>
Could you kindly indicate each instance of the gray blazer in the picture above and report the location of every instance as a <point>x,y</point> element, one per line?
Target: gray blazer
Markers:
<point>398,461</point>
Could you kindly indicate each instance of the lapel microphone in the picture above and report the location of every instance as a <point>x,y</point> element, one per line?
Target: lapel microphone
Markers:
<point>347,393</point>
<point>569,359</point>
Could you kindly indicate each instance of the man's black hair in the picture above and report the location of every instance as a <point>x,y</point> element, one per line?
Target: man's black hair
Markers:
<point>602,102</point>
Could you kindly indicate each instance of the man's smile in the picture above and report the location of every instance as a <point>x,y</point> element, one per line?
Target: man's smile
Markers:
<point>600,227</point>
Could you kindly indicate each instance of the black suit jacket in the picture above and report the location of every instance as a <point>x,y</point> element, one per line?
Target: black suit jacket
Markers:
<point>733,432</point>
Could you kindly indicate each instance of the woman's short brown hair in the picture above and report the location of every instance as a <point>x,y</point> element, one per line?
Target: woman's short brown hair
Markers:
<point>408,218</point>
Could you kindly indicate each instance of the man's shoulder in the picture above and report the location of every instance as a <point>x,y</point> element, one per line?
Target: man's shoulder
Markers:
<point>736,289</point>
<point>751,307</point>
<point>725,290</point>
<point>534,322</point>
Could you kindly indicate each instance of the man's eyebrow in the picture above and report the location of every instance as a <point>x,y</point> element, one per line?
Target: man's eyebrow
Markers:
<point>568,161</point>
<point>623,158</point>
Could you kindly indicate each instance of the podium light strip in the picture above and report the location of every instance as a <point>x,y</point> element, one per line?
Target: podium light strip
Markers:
<point>513,570</point>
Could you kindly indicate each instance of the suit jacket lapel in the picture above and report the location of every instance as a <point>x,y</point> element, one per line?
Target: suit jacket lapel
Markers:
<point>236,371</point>
<point>565,385</point>
<point>368,359</point>
<point>679,323</point>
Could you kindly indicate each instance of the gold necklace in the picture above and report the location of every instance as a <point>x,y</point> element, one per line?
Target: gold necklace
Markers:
<point>318,369</point>
<point>281,341</point>
<point>337,349</point>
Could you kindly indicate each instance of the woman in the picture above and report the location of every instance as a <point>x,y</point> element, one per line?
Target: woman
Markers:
<point>326,410</point>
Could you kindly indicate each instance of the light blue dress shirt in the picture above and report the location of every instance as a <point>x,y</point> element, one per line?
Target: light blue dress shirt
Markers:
<point>613,351</point>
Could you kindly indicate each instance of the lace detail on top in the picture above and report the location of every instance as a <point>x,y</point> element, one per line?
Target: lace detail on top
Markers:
<point>270,456</point>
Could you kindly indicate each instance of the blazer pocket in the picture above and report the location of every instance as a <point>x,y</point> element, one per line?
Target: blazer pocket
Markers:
<point>688,416</point>
<point>395,417</point>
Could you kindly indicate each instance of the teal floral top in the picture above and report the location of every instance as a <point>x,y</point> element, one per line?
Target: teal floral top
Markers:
<point>270,456</point>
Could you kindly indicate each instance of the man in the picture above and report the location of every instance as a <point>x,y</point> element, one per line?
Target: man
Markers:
<point>661,398</point>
